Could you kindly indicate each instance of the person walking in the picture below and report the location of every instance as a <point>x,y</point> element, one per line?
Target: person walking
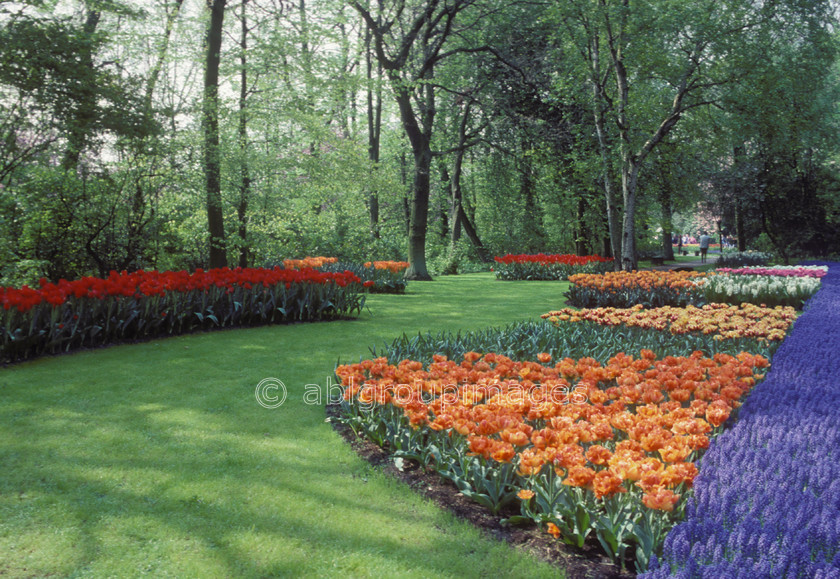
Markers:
<point>704,246</point>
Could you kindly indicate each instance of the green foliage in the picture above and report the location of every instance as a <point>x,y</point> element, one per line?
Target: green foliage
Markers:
<point>585,296</point>
<point>23,272</point>
<point>525,340</point>
<point>447,259</point>
<point>40,57</point>
<point>532,175</point>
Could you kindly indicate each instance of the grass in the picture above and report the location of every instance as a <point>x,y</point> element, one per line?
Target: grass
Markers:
<point>155,458</point>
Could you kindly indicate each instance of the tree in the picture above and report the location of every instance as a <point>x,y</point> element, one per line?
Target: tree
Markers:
<point>374,122</point>
<point>244,148</point>
<point>651,64</point>
<point>409,40</point>
<point>779,128</point>
<point>210,123</point>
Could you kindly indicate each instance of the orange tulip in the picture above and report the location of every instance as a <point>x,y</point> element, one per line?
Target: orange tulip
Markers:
<point>579,476</point>
<point>661,499</point>
<point>717,412</point>
<point>598,455</point>
<point>605,484</point>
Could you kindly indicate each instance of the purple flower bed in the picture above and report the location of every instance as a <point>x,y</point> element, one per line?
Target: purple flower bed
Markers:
<point>767,500</point>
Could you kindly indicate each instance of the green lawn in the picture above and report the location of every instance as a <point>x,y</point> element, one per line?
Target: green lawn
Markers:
<point>156,458</point>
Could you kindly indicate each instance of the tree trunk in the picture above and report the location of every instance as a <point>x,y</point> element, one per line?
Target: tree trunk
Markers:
<point>580,238</point>
<point>458,217</point>
<point>598,91</point>
<point>456,197</point>
<point>472,235</point>
<point>374,118</point>
<point>420,139</point>
<point>629,179</point>
<point>667,221</point>
<point>418,225</point>
<point>740,229</point>
<point>409,61</point>
<point>609,193</point>
<point>85,114</point>
<point>406,196</point>
<point>212,155</point>
<point>444,205</point>
<point>533,219</point>
<point>245,174</point>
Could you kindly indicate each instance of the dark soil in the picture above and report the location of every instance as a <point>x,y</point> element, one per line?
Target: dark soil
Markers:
<point>587,563</point>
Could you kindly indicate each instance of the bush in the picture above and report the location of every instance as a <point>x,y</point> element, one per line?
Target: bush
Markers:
<point>23,272</point>
<point>462,258</point>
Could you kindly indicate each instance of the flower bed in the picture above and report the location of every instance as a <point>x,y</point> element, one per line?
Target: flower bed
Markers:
<point>383,277</point>
<point>721,321</point>
<point>588,449</point>
<point>387,276</point>
<point>770,290</point>
<point>653,289</point>
<point>520,366</point>
<point>743,259</point>
<point>308,262</point>
<point>392,266</point>
<point>768,499</point>
<point>376,276</point>
<point>548,267</point>
<point>92,312</point>
<point>620,289</point>
<point>778,270</point>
